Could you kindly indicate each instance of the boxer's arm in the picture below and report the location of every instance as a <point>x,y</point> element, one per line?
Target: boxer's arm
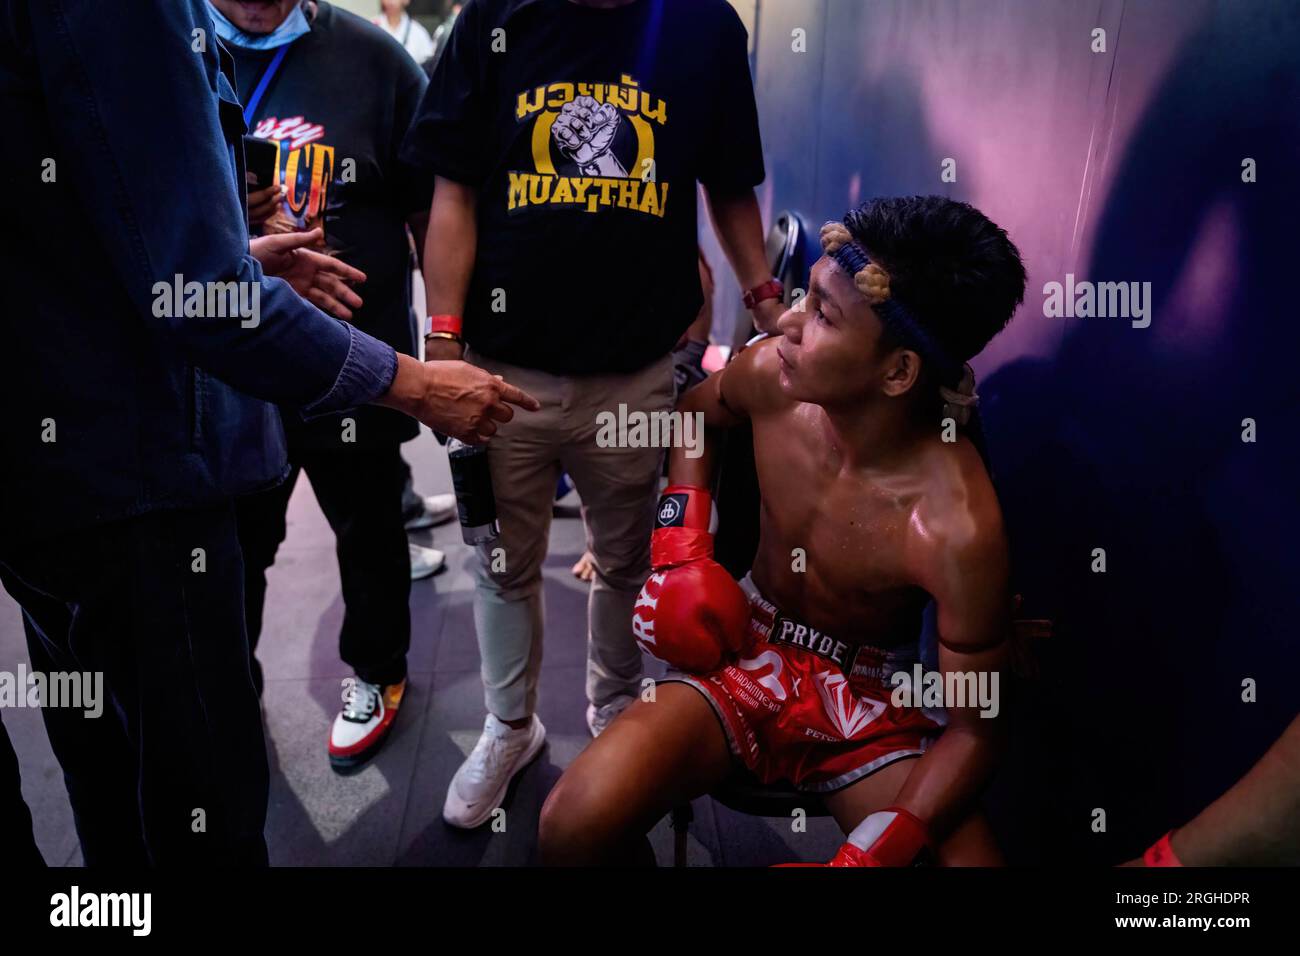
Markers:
<point>968,579</point>
<point>724,400</point>
<point>693,466</point>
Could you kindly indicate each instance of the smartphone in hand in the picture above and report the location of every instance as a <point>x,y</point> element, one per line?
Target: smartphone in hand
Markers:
<point>261,161</point>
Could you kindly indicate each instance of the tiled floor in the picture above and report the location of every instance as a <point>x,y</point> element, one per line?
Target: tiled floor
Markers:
<point>390,813</point>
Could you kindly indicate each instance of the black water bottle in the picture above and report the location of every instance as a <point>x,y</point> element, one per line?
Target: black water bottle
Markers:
<point>476,505</point>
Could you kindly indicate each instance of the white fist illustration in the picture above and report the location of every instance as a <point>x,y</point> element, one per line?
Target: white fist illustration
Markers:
<point>584,131</point>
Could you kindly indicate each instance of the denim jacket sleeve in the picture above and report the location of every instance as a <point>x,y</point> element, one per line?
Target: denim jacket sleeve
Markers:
<point>134,93</point>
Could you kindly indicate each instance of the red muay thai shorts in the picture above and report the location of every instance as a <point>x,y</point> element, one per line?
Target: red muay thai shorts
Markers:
<point>811,709</point>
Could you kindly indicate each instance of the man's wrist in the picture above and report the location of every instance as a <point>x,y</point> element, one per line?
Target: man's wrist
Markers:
<point>407,389</point>
<point>443,348</point>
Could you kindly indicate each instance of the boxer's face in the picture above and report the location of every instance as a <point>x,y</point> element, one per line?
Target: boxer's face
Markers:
<point>256,16</point>
<point>829,351</point>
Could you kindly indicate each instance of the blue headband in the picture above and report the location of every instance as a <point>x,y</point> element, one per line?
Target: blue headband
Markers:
<point>852,258</point>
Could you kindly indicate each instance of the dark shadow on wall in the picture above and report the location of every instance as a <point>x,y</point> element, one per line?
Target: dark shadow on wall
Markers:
<point>1131,440</point>
<point>876,141</point>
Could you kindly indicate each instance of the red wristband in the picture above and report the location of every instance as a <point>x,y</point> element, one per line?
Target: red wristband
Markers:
<point>771,289</point>
<point>1162,853</point>
<point>444,323</point>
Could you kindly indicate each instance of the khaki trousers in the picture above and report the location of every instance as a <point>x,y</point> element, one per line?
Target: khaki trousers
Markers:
<point>618,487</point>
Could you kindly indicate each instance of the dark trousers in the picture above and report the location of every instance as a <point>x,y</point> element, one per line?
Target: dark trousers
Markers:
<point>15,819</point>
<point>174,770</point>
<point>412,501</point>
<point>360,492</point>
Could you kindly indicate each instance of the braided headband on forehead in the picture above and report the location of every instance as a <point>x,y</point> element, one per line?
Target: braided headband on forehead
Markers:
<point>873,282</point>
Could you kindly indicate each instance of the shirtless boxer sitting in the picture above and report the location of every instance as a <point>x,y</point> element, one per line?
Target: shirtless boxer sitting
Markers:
<point>874,503</point>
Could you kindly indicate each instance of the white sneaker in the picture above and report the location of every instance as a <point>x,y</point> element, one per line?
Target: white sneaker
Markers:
<point>425,562</point>
<point>598,718</point>
<point>438,509</point>
<point>480,784</point>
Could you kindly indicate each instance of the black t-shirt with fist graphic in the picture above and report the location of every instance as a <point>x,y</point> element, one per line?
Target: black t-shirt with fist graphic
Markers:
<point>585,131</point>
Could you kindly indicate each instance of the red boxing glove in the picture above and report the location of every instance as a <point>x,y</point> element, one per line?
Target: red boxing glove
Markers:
<point>888,837</point>
<point>691,614</point>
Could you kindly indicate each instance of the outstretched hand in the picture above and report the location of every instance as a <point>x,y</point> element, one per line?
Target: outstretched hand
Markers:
<point>322,280</point>
<point>455,398</point>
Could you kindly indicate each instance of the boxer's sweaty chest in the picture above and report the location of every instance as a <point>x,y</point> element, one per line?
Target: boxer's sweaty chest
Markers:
<point>834,547</point>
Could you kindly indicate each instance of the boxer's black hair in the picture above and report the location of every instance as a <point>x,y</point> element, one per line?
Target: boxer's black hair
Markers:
<point>954,269</point>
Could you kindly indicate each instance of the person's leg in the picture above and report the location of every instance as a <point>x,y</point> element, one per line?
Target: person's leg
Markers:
<point>204,779</point>
<point>15,819</point>
<point>261,523</point>
<point>99,762</point>
<point>618,488</point>
<point>412,503</point>
<point>157,609</point>
<point>656,756</point>
<point>360,493</point>
<point>508,609</point>
<point>424,511</point>
<point>509,606</point>
<point>508,602</point>
<point>970,843</point>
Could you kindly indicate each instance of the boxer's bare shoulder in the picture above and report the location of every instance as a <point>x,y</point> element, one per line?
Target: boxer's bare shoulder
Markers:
<point>957,504</point>
<point>748,386</point>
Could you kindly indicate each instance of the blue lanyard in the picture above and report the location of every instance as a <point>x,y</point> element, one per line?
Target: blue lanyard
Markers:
<point>253,101</point>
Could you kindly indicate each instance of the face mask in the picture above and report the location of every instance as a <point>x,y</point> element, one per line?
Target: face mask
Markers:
<point>294,26</point>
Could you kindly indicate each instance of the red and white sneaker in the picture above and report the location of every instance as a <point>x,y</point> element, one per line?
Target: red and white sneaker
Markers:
<point>364,723</point>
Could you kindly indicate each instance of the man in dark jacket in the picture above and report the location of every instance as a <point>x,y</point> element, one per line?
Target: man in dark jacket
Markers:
<point>138,389</point>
